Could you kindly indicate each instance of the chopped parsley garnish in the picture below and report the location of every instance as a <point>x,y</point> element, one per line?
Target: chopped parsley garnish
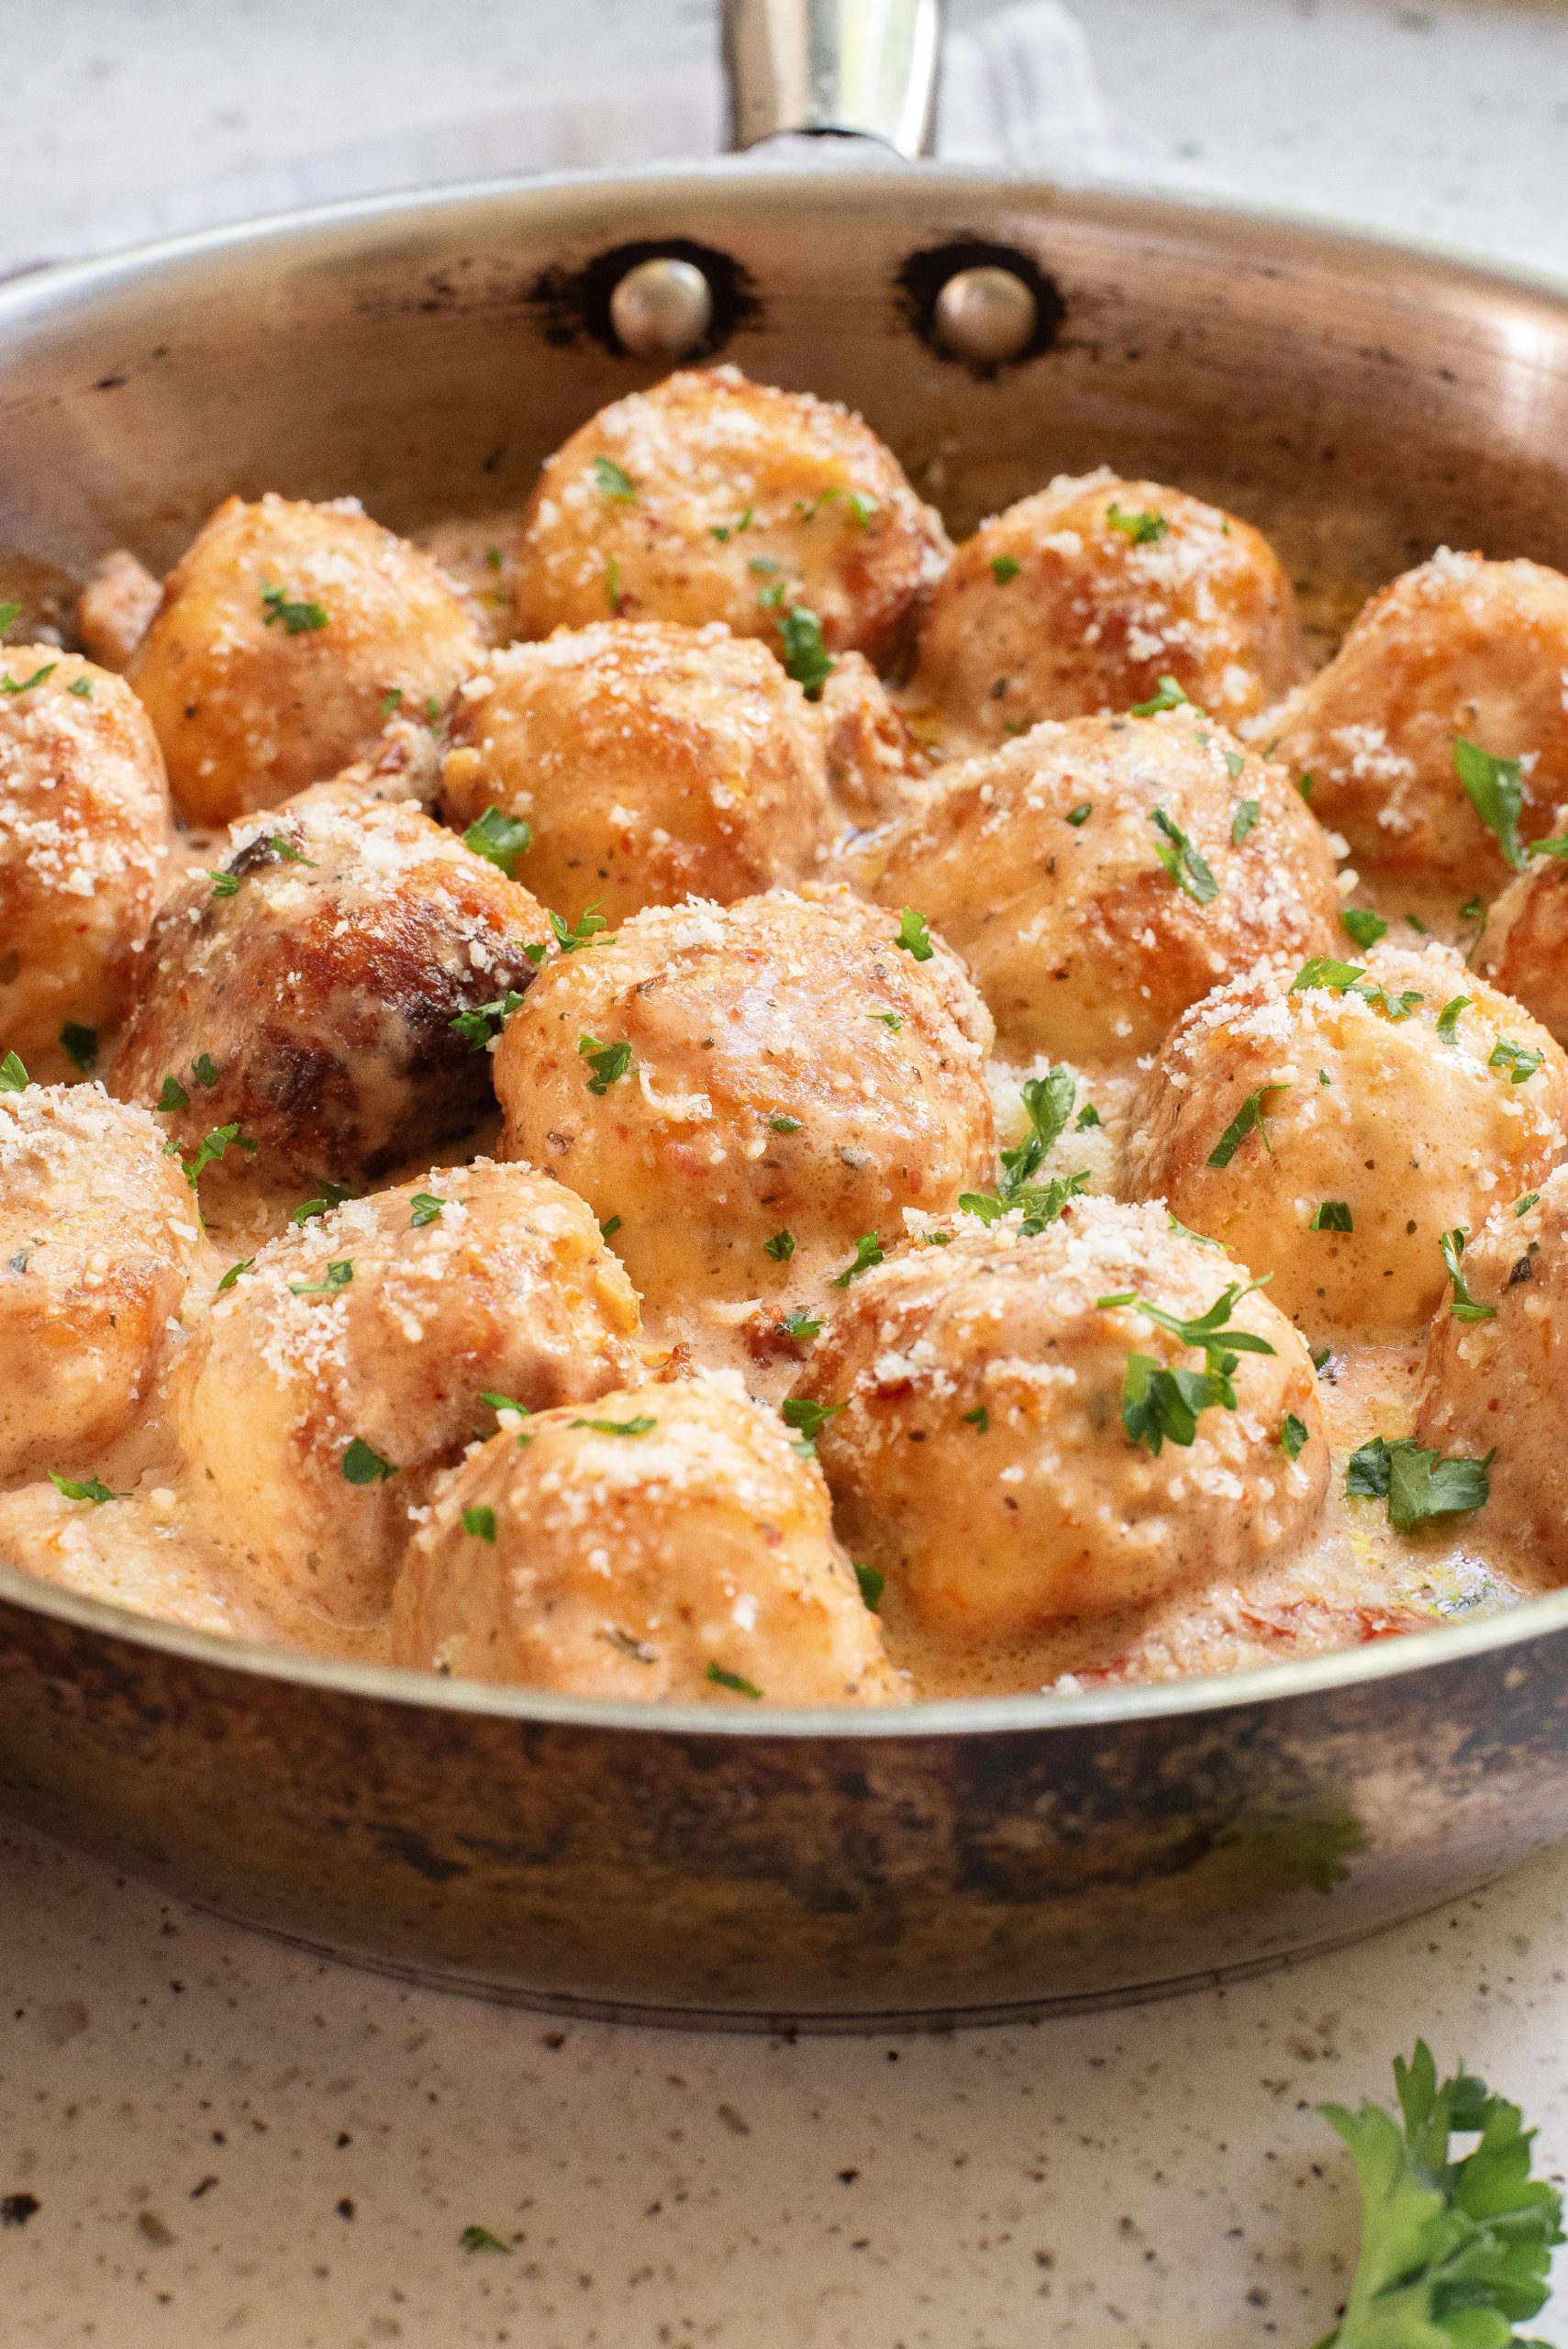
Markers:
<point>1452,2252</point>
<point>390,700</point>
<point>1417,1485</point>
<point>363,1466</point>
<point>1321,1355</point>
<point>613,595</point>
<point>1047,1102</point>
<point>1462,1306</point>
<point>337,1276</point>
<point>979,1420</point>
<point>499,839</point>
<point>326,1196</point>
<point>1348,978</point>
<point>804,656</point>
<point>1493,789</point>
<point>1448,1018</point>
<point>1157,1403</point>
<point>914,937</point>
<point>1181,860</point>
<point>1168,696</point>
<point>82,687</point>
<point>1520,1064</point>
<point>1332,1215</point>
<point>481,1524</point>
<point>781,1247</point>
<point>807,1419</point>
<point>571,936</point>
<point>26,684</point>
<point>1361,925</point>
<point>784,1125</point>
<point>1537,848</point>
<point>432,713</point>
<point>871,1583</point>
<point>481,2239</point>
<point>173,1096</point>
<point>223,885</point>
<point>286,850</point>
<point>609,1062</point>
<point>1293,1435</point>
<point>1187,1232</point>
<point>506,1403</point>
<point>13,1074</point>
<point>889,1020</point>
<point>611,1225</point>
<point>298,616</point>
<point>1005,567</point>
<point>1081,813</point>
<point>868,1251</point>
<point>212,1147</point>
<point>424,1208</point>
<point>477,1027</point>
<point>80,1044</point>
<point>232,1275</point>
<point>1304,784</point>
<point>1143,530</point>
<point>1248,1116</point>
<point>724,532</point>
<point>8,613</point>
<point>1245,819</point>
<point>802,1326</point>
<point>637,1426</point>
<point>203,1068</point>
<point>1421,928</point>
<point>93,1489</point>
<point>1473,909</point>
<point>734,1680</point>
<point>614,480</point>
<point>1087,1116</point>
<point>1530,1199</point>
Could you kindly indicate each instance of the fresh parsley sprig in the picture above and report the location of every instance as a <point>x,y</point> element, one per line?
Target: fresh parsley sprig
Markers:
<point>1159,1402</point>
<point>1417,1484</point>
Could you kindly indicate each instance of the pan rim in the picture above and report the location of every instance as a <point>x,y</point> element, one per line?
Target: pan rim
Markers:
<point>33,293</point>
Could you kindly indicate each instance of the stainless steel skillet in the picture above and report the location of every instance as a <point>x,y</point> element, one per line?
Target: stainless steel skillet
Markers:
<point>1364,402</point>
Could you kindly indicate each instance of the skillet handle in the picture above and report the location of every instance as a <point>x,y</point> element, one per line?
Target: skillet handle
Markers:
<point>863,68</point>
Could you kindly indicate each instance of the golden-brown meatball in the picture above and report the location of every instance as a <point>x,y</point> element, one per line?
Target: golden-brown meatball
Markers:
<point>1011,1448</point>
<point>875,768</point>
<point>83,831</point>
<point>116,609</point>
<point>1459,648</point>
<point>1495,1376</point>
<point>1524,948</point>
<point>1100,876</point>
<point>652,763</point>
<point>1331,1126</point>
<point>98,1232</point>
<point>670,1544</point>
<point>307,990</point>
<point>1080,600</point>
<point>352,1360</point>
<point>748,1090</point>
<point>289,633</point>
<point>712,498</point>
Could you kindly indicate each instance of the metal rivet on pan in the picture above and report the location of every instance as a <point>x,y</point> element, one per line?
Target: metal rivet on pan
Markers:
<point>661,309</point>
<point>986,316</point>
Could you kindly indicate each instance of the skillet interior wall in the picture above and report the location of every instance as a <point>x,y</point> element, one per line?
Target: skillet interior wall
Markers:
<point>1362,406</point>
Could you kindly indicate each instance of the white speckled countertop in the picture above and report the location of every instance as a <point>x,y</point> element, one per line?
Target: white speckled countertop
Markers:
<point>227,2141</point>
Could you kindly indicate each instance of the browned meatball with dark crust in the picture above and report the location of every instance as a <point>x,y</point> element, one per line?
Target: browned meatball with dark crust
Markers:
<point>289,633</point>
<point>304,991</point>
<point>711,498</point>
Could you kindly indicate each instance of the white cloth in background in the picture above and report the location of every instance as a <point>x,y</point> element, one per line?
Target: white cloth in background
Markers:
<point>1020,91</point>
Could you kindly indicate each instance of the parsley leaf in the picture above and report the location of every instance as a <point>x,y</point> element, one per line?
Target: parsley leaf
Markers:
<point>807,1419</point>
<point>481,1524</point>
<point>1143,530</point>
<point>638,1425</point>
<point>390,700</point>
<point>1169,696</point>
<point>1417,1485</point>
<point>1181,860</point>
<point>1521,1062</point>
<point>611,1225</point>
<point>223,885</point>
<point>501,840</point>
<point>609,1062</point>
<point>979,1420</point>
<point>173,1096</point>
<point>1521,1207</point>
<point>481,2239</point>
<point>80,1044</point>
<point>1293,1435</point>
<point>1332,1215</point>
<point>804,656</point>
<point>477,1027</point>
<point>298,617</point>
<point>363,1466</point>
<point>803,1325</point>
<point>1081,813</point>
<point>1249,1115</point>
<point>212,1147</point>
<point>914,937</point>
<point>326,1196</point>
<point>1349,978</point>
<point>724,532</point>
<point>203,1068</point>
<point>1493,789</point>
<point>26,684</point>
<point>1452,2252</point>
<point>614,480</point>
<point>13,1074</point>
<point>571,936</point>
<point>1005,567</point>
<point>1362,926</point>
<point>232,1275</point>
<point>742,1687</point>
<point>8,613</point>
<point>784,1125</point>
<point>868,1251</point>
<point>1157,1403</point>
<point>873,1584</point>
<point>82,687</point>
<point>1462,1306</point>
<point>424,1208</point>
<point>94,1489</point>
<point>337,1276</point>
<point>1245,819</point>
<point>781,1247</point>
<point>1448,1018</point>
